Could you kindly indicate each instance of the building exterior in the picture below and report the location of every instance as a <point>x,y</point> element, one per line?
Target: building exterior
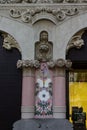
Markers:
<point>42,45</point>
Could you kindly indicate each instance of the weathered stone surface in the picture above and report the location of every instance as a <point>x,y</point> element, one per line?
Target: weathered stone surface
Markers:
<point>43,124</point>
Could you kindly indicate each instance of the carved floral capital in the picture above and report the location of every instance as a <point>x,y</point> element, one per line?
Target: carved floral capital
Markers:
<point>28,64</point>
<point>60,63</point>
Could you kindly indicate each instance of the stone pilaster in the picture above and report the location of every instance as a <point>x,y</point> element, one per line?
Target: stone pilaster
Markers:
<point>59,91</point>
<point>28,85</point>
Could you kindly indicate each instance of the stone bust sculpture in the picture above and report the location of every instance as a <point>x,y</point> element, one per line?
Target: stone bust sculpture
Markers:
<point>43,48</point>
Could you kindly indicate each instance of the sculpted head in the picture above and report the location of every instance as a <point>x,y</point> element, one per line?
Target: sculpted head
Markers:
<point>44,36</point>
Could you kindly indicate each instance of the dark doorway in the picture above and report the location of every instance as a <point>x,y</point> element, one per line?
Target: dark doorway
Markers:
<point>79,67</point>
<point>10,87</point>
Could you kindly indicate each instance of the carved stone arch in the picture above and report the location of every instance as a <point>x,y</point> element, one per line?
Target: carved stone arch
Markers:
<point>77,53</point>
<point>45,16</point>
<point>77,47</point>
<point>10,81</point>
<point>75,41</point>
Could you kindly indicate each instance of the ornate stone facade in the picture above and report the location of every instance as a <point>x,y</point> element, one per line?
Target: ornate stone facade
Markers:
<point>25,20</point>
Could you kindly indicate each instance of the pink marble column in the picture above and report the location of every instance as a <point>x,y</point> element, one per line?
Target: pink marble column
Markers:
<point>59,91</point>
<point>59,99</point>
<point>28,86</point>
<point>28,93</point>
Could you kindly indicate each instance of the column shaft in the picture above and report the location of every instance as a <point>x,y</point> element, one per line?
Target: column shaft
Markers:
<point>59,93</point>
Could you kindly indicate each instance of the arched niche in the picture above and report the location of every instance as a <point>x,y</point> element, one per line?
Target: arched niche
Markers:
<point>76,49</point>
<point>10,81</point>
<point>76,78</point>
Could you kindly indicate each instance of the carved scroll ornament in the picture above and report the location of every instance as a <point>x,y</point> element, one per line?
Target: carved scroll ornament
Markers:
<point>75,42</point>
<point>9,42</point>
<point>28,14</point>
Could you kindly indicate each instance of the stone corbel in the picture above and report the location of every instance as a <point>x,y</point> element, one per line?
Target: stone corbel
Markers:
<point>9,42</point>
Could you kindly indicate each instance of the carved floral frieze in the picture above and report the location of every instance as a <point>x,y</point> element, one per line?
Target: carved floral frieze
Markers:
<point>51,64</point>
<point>28,64</point>
<point>59,63</point>
<point>28,14</point>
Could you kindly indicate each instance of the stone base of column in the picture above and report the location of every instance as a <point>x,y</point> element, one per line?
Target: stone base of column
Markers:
<point>27,112</point>
<point>59,112</point>
<point>43,124</point>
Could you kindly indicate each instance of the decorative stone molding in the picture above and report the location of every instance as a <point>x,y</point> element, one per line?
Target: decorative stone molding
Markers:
<point>44,1</point>
<point>27,112</point>
<point>71,1</point>
<point>41,1</point>
<point>31,13</point>
<point>51,64</point>
<point>76,42</point>
<point>28,15</point>
<point>9,42</point>
<point>28,64</point>
<point>59,63</point>
<point>43,48</point>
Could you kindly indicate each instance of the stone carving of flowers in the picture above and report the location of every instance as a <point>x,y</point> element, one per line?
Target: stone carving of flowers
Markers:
<point>68,63</point>
<point>51,64</point>
<point>60,62</point>
<point>36,64</point>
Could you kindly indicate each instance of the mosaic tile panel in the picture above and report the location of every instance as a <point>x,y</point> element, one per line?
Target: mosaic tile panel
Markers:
<point>43,92</point>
